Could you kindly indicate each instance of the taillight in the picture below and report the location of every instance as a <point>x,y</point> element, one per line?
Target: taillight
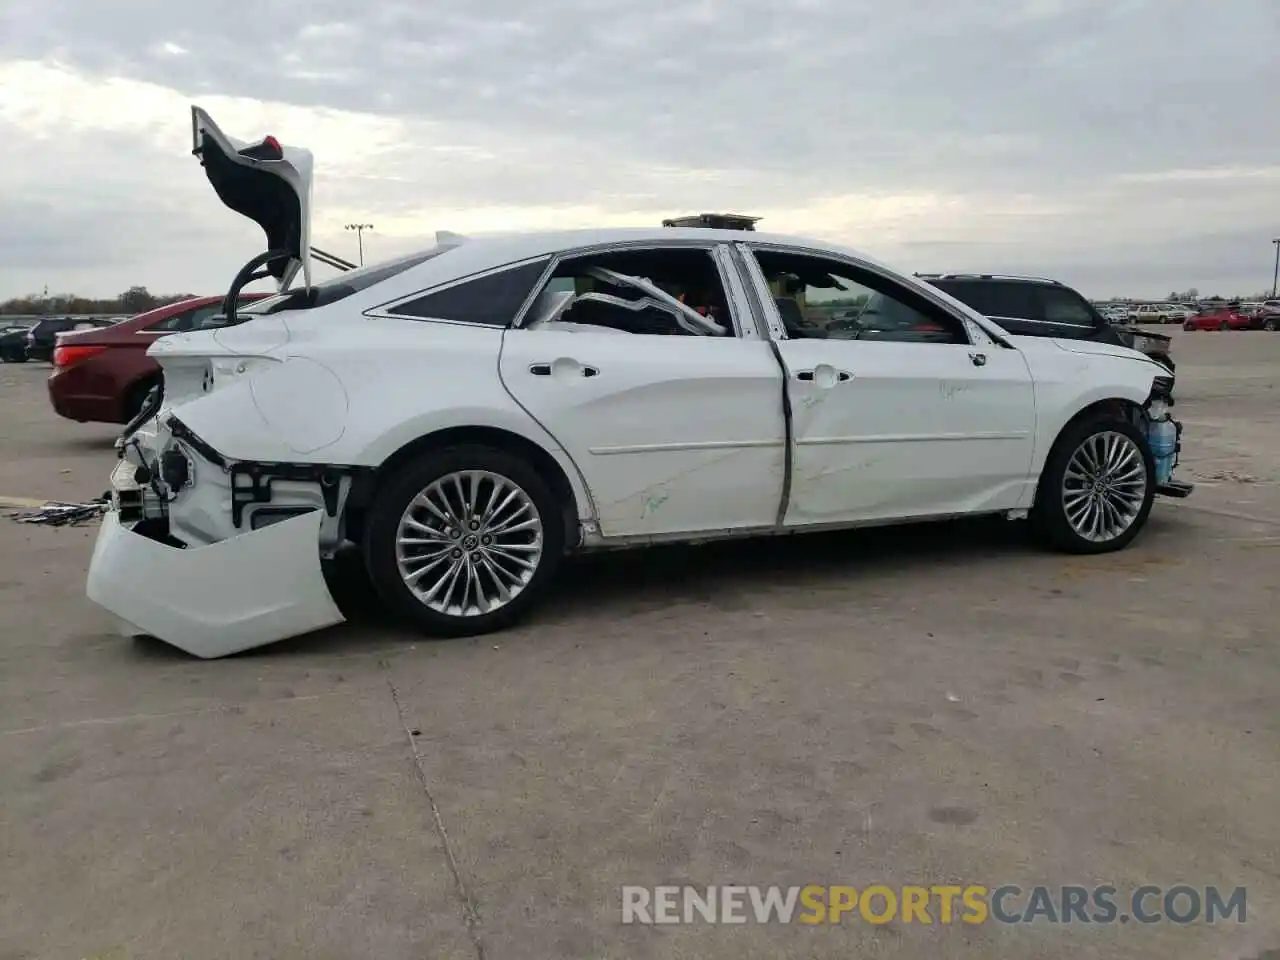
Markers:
<point>69,356</point>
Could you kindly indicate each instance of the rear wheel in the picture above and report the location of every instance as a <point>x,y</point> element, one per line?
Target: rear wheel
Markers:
<point>464,540</point>
<point>14,356</point>
<point>1097,487</point>
<point>1270,324</point>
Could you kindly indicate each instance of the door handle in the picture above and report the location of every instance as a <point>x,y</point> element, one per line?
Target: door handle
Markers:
<point>979,359</point>
<point>565,366</point>
<point>839,376</point>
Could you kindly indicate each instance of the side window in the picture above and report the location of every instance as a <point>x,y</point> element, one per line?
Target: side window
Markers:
<point>673,291</point>
<point>202,316</point>
<point>1065,307</point>
<point>179,321</point>
<point>824,299</point>
<point>491,300</point>
<point>994,298</point>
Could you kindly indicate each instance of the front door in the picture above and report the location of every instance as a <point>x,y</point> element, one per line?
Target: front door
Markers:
<point>899,408</point>
<point>671,413</point>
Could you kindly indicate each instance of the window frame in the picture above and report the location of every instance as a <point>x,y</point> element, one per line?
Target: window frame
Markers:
<point>763,299</point>
<point>741,315</point>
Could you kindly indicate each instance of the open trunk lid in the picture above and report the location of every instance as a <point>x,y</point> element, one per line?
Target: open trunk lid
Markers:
<point>266,182</point>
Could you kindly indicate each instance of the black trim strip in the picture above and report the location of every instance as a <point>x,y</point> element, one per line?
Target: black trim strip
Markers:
<point>761,319</point>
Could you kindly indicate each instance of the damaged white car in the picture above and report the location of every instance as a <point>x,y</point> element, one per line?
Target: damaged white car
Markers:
<point>469,414</point>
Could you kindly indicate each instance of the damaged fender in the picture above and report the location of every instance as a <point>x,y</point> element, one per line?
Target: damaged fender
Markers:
<point>247,591</point>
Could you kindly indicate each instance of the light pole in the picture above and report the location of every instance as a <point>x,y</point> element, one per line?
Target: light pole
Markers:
<point>360,228</point>
<point>1275,276</point>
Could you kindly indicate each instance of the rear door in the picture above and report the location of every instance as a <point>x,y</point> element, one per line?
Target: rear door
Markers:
<point>674,427</point>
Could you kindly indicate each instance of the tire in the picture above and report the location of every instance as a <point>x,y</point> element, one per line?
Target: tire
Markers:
<point>1050,514</point>
<point>1270,324</point>
<point>15,357</point>
<point>392,503</point>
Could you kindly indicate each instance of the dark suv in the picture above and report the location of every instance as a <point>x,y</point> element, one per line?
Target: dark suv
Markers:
<point>43,337</point>
<point>1036,307</point>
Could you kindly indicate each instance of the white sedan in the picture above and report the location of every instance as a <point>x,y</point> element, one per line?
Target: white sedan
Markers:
<point>469,414</point>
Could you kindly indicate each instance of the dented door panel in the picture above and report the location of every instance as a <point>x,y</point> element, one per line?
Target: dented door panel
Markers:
<point>671,434</point>
<point>885,429</point>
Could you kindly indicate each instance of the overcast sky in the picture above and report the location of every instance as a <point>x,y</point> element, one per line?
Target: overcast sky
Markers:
<point>1124,146</point>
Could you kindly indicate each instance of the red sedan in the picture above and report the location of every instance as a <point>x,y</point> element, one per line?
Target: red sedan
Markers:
<point>105,374</point>
<point>1220,318</point>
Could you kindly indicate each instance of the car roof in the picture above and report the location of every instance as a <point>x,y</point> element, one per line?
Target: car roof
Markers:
<point>989,278</point>
<point>533,244</point>
<point>467,255</point>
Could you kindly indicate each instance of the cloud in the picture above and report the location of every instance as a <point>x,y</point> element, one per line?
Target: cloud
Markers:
<point>1066,135</point>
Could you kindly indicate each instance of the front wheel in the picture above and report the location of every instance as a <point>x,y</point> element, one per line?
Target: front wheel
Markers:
<point>1097,487</point>
<point>462,541</point>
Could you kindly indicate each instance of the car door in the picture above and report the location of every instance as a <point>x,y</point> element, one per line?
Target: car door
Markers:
<point>673,430</point>
<point>921,416</point>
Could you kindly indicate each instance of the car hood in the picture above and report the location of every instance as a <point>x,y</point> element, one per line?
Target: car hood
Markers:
<point>1088,347</point>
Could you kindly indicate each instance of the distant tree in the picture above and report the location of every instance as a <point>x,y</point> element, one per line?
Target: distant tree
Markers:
<point>136,300</point>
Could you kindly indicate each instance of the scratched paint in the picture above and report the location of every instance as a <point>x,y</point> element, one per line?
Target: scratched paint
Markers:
<point>652,502</point>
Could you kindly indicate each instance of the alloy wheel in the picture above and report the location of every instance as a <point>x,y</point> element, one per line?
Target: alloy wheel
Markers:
<point>1104,486</point>
<point>469,543</point>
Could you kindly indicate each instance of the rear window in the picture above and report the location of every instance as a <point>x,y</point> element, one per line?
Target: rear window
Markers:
<point>993,298</point>
<point>331,290</point>
<point>491,300</point>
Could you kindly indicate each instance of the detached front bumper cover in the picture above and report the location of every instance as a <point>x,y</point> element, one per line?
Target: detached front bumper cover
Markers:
<point>246,591</point>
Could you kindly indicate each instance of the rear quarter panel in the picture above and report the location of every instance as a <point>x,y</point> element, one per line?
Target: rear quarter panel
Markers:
<point>353,391</point>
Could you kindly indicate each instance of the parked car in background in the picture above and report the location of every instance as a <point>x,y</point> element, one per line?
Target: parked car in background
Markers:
<point>105,374</point>
<point>13,342</point>
<point>1035,307</point>
<point>1149,313</point>
<point>1269,314</point>
<point>1177,313</point>
<point>1115,312</point>
<point>43,336</point>
<point>1228,317</point>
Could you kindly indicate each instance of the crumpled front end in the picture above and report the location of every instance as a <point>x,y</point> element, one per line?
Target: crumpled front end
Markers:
<point>208,554</point>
